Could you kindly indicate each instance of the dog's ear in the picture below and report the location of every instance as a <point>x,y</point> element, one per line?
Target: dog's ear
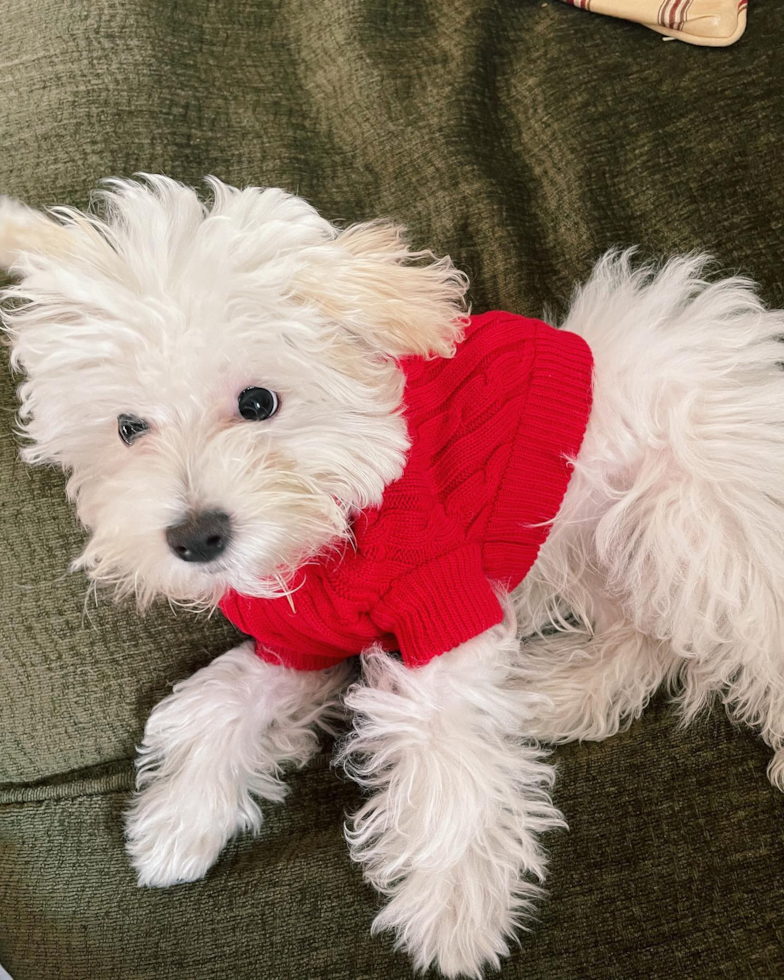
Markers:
<point>26,231</point>
<point>396,300</point>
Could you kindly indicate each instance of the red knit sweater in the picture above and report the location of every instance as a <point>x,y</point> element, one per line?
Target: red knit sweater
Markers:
<point>492,431</point>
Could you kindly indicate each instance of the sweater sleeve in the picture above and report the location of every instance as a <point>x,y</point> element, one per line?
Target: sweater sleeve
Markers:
<point>303,631</point>
<point>439,605</point>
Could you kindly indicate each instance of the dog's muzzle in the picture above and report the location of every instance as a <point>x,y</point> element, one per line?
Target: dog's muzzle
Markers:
<point>200,537</point>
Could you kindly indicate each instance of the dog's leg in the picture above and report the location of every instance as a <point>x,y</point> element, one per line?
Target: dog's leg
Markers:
<point>217,741</point>
<point>451,831</point>
<point>592,684</point>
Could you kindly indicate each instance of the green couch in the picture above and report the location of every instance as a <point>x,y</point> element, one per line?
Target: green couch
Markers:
<point>523,138</point>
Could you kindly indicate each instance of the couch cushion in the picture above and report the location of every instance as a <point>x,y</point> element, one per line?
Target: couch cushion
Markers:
<point>670,869</point>
<point>524,139</point>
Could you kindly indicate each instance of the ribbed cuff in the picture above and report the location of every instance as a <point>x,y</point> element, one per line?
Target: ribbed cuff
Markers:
<point>439,606</point>
<point>549,436</point>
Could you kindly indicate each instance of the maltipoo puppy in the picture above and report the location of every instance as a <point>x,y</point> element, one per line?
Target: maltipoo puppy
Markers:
<point>301,424</point>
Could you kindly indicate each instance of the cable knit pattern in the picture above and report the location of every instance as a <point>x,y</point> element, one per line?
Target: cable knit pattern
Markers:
<point>492,431</point>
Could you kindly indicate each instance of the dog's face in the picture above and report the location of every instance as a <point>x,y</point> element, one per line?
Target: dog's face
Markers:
<point>219,381</point>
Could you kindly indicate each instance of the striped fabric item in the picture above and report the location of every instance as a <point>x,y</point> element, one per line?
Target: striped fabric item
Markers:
<point>714,23</point>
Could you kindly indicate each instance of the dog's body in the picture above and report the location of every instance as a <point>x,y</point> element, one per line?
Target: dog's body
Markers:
<point>665,561</point>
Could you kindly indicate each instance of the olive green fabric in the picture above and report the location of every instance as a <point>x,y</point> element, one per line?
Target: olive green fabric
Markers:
<point>524,139</point>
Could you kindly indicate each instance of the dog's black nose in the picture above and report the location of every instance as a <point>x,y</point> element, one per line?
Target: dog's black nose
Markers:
<point>200,537</point>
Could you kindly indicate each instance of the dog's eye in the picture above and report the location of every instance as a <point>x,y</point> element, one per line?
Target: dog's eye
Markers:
<point>257,404</point>
<point>130,427</point>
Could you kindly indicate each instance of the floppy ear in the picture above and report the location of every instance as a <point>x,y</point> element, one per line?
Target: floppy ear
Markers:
<point>396,300</point>
<point>24,230</point>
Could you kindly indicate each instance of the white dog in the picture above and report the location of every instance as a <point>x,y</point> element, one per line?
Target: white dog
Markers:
<point>160,338</point>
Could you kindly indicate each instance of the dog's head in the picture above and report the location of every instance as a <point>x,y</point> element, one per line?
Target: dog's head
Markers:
<point>218,380</point>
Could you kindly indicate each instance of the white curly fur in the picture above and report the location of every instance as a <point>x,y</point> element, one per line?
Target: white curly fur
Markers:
<point>669,546</point>
<point>165,307</point>
<point>211,749</point>
<point>451,830</point>
<point>664,565</point>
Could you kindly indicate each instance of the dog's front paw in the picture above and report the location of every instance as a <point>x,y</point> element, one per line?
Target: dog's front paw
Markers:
<point>462,927</point>
<point>174,834</point>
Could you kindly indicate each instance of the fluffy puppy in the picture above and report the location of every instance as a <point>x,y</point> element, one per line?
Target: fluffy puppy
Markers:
<point>225,385</point>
